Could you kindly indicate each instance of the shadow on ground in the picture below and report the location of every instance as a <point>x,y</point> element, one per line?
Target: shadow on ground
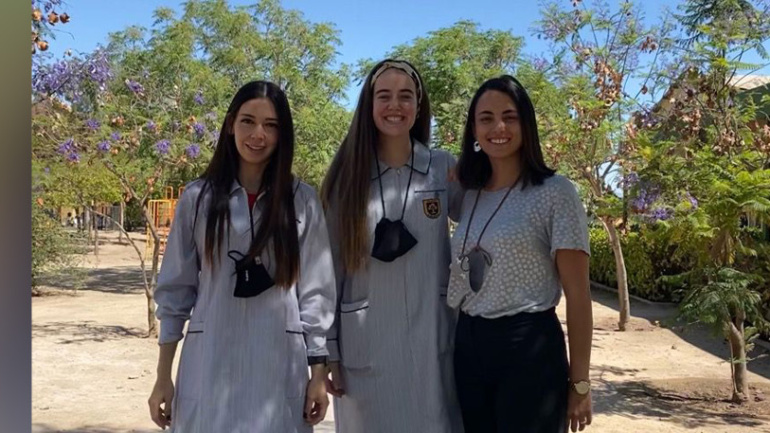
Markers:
<point>694,334</point>
<point>83,331</point>
<point>633,399</point>
<point>323,427</point>
<point>116,280</point>
<point>46,428</point>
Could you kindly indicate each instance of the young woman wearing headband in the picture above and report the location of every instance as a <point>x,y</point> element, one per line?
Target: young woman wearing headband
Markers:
<point>387,199</point>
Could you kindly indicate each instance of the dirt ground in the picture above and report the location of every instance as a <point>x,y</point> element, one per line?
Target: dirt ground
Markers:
<point>93,368</point>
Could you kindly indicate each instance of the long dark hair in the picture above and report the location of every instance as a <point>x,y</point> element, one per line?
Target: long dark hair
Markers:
<point>278,222</point>
<point>349,177</point>
<point>474,169</point>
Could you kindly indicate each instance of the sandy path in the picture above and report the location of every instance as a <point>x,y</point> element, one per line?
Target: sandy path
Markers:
<point>92,368</point>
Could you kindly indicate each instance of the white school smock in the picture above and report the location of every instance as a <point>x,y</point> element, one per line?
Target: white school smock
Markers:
<point>394,332</point>
<point>243,366</point>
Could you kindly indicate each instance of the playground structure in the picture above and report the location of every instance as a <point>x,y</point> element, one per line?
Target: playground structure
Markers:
<point>161,215</point>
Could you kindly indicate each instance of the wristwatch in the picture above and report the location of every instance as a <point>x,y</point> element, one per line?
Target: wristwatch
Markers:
<point>581,387</point>
<point>312,360</point>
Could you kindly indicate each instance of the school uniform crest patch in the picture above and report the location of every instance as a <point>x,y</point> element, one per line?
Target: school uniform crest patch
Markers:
<point>431,207</point>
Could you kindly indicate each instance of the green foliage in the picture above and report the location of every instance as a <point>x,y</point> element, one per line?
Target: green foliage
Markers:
<point>53,248</point>
<point>454,61</point>
<point>149,116</point>
<point>702,143</point>
<point>596,51</point>
<point>643,265</point>
<point>718,295</point>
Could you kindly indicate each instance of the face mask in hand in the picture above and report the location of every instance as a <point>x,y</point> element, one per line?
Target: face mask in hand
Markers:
<point>251,276</point>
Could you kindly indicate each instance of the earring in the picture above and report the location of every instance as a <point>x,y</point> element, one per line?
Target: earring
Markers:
<point>476,146</point>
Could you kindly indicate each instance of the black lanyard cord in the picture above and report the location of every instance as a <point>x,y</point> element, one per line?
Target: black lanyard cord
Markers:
<point>473,211</point>
<point>408,184</point>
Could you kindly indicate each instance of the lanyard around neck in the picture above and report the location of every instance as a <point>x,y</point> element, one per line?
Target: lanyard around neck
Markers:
<point>473,211</point>
<point>408,184</point>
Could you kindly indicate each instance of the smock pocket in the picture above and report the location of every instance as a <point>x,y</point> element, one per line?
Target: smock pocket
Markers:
<point>354,341</point>
<point>296,369</point>
<point>188,384</point>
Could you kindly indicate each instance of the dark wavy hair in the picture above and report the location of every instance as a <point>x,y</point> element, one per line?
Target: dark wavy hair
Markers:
<point>474,169</point>
<point>278,222</point>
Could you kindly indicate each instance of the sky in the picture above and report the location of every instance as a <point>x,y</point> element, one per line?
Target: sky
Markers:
<point>367,29</point>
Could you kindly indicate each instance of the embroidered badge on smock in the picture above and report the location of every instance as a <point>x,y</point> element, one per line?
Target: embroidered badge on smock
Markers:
<point>431,207</point>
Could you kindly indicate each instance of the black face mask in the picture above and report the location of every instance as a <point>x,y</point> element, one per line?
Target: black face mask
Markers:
<point>476,263</point>
<point>391,238</point>
<point>251,276</point>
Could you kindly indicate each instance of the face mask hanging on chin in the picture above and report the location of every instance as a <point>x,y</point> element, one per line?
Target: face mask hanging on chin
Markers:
<point>252,277</point>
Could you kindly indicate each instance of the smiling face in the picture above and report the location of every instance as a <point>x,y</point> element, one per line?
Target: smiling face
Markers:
<point>497,126</point>
<point>256,132</point>
<point>395,103</point>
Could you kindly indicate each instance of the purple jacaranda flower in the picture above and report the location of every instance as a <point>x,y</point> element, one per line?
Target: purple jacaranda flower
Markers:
<point>135,87</point>
<point>646,195</point>
<point>93,124</point>
<point>151,126</point>
<point>198,98</point>
<point>66,147</point>
<point>66,78</point>
<point>693,201</point>
<point>200,129</point>
<point>630,180</point>
<point>661,214</point>
<point>73,157</point>
<point>103,146</point>
<point>115,136</point>
<point>193,151</point>
<point>163,147</point>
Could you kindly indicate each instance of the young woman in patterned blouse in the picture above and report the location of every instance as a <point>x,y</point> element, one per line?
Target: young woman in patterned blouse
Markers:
<point>521,239</point>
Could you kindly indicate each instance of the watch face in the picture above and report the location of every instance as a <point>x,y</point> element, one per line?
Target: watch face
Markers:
<point>582,387</point>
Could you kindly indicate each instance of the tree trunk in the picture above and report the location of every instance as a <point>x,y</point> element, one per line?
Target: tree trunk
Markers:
<point>96,236</point>
<point>122,218</point>
<point>620,269</point>
<point>149,284</point>
<point>87,222</point>
<point>736,337</point>
<point>150,287</point>
<point>152,330</point>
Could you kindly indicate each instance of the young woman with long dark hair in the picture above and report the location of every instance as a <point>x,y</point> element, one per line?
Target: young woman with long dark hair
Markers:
<point>522,238</point>
<point>248,263</point>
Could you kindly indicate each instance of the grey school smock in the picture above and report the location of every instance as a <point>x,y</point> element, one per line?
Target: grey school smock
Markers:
<point>243,366</point>
<point>394,332</point>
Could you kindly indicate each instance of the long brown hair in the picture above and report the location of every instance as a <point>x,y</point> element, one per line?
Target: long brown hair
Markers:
<point>278,222</point>
<point>347,182</point>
